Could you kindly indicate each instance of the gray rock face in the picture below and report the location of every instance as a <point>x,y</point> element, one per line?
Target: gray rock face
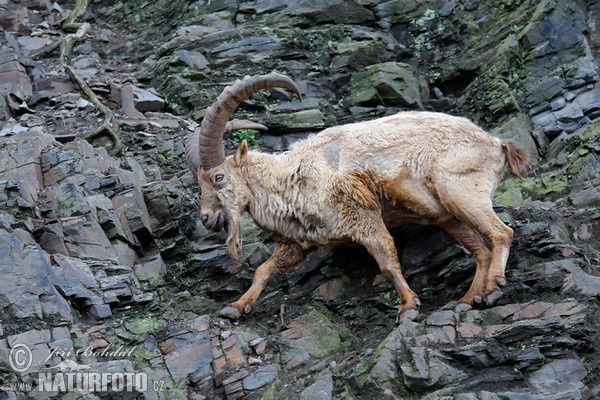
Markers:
<point>104,267</point>
<point>27,290</point>
<point>16,87</point>
<point>386,84</point>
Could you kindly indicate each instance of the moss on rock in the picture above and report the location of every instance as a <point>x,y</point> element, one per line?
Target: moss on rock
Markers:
<point>389,83</point>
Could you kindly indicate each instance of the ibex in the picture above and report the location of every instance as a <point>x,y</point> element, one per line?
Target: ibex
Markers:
<point>350,184</point>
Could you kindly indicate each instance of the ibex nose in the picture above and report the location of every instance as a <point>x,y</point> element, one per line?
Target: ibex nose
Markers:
<point>204,219</point>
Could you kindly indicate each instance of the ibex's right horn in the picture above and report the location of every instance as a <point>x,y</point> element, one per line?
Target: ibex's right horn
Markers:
<point>192,151</point>
<point>205,146</point>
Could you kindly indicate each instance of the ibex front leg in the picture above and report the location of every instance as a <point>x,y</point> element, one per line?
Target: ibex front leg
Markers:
<point>287,256</point>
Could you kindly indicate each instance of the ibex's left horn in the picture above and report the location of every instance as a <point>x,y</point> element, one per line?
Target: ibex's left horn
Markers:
<point>208,138</point>
<point>236,124</point>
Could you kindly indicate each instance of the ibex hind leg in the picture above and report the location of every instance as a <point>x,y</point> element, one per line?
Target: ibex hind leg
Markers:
<point>500,238</point>
<point>469,199</point>
<point>478,246</point>
<point>381,246</point>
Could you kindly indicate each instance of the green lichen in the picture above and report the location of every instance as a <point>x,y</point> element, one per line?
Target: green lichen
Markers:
<point>64,205</point>
<point>509,193</point>
<point>425,29</point>
<point>143,325</point>
<point>544,186</point>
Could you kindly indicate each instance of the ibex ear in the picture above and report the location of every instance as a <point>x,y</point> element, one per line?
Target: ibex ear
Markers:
<point>240,154</point>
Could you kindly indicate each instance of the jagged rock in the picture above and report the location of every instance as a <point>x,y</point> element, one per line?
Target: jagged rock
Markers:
<point>305,119</point>
<point>389,83</point>
<point>18,194</point>
<point>422,351</point>
<point>559,379</point>
<point>165,206</point>
<point>188,360</point>
<point>188,350</point>
<point>147,100</point>
<point>74,161</point>
<point>151,271</point>
<point>14,20</point>
<point>576,279</point>
<point>338,11</point>
<point>193,59</point>
<point>69,199</point>
<point>49,87</point>
<point>320,390</point>
<point>585,198</point>
<point>356,55</point>
<point>87,62</point>
<point>260,377</point>
<point>313,333</point>
<point>85,239</point>
<point>75,280</point>
<point>52,238</point>
<point>20,156</point>
<point>26,290</point>
<point>128,103</point>
<point>107,217</point>
<point>16,87</point>
<point>129,203</point>
<point>589,102</point>
<point>30,43</point>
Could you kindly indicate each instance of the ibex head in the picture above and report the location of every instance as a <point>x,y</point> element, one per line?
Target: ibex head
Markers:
<point>223,188</point>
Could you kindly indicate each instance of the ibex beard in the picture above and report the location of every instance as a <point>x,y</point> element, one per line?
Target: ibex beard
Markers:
<point>350,184</point>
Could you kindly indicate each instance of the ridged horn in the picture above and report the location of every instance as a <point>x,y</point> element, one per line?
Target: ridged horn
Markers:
<point>237,124</point>
<point>192,146</point>
<point>205,146</point>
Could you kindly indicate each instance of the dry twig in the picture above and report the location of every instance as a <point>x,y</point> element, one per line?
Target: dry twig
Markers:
<point>66,49</point>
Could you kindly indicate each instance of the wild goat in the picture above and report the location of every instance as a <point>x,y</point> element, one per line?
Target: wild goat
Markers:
<point>350,184</point>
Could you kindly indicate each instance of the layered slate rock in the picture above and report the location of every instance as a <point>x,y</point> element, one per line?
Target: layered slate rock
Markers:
<point>26,290</point>
<point>16,86</point>
<point>386,84</point>
<point>120,259</point>
<point>432,355</point>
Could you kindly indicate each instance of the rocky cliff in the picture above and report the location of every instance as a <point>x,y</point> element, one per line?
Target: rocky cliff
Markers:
<point>104,266</point>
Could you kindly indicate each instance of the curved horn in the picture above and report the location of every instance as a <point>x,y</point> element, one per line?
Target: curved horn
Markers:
<point>236,124</point>
<point>192,146</point>
<point>208,138</point>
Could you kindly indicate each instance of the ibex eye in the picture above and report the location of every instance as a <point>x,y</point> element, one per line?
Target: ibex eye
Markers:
<point>219,177</point>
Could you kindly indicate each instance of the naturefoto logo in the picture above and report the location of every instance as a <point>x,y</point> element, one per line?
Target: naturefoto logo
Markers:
<point>68,375</point>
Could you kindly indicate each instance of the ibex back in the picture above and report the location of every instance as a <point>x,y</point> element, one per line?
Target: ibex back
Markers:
<point>350,184</point>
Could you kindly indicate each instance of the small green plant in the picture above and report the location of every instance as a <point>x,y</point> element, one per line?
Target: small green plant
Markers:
<point>4,374</point>
<point>249,135</point>
<point>64,205</point>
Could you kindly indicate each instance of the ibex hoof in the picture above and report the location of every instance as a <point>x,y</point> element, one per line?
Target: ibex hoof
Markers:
<point>501,281</point>
<point>230,312</point>
<point>411,314</point>
<point>477,299</point>
<point>462,307</point>
<point>493,297</point>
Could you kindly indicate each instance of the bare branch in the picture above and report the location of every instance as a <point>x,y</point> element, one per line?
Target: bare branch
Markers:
<point>66,49</point>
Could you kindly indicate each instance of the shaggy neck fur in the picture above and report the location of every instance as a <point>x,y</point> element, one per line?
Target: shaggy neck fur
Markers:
<point>283,198</point>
